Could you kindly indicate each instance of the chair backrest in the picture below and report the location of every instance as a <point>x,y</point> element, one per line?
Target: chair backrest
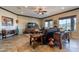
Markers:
<point>56,36</point>
<point>66,35</point>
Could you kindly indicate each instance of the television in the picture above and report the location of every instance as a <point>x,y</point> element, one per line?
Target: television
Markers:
<point>32,25</point>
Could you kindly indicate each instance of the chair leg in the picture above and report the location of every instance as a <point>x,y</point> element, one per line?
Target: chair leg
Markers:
<point>68,37</point>
<point>60,45</point>
<point>68,40</point>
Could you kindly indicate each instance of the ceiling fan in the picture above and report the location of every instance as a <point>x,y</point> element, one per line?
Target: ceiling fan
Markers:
<point>40,10</point>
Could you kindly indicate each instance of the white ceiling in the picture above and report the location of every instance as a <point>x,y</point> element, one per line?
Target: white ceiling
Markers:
<point>29,10</point>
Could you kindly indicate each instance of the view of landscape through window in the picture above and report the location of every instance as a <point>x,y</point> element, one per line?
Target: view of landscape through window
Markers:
<point>68,24</point>
<point>48,24</point>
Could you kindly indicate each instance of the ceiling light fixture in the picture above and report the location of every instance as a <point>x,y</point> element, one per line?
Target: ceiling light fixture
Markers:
<point>22,12</point>
<point>62,8</point>
<point>25,6</point>
<point>40,10</point>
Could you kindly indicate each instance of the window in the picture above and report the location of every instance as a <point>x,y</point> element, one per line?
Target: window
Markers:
<point>68,23</point>
<point>48,24</point>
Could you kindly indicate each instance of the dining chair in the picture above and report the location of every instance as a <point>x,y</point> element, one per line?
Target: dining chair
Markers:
<point>57,39</point>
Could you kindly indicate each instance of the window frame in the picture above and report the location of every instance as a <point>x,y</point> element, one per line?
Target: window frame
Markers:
<point>48,23</point>
<point>72,18</point>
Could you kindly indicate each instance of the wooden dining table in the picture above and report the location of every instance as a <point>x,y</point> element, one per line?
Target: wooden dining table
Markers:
<point>34,37</point>
<point>58,37</point>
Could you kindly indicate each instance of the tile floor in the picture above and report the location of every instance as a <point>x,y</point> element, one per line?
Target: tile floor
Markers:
<point>20,43</point>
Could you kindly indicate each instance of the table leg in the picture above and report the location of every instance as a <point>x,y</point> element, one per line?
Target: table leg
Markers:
<point>30,40</point>
<point>41,40</point>
<point>60,42</point>
<point>60,45</point>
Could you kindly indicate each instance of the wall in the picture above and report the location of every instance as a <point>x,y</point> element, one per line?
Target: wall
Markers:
<point>40,22</point>
<point>7,14</point>
<point>56,18</point>
<point>24,20</point>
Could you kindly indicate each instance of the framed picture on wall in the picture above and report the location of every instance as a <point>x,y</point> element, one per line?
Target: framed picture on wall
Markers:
<point>7,21</point>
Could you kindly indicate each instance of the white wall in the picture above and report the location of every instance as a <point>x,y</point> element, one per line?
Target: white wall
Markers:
<point>22,20</point>
<point>7,14</point>
<point>56,18</point>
